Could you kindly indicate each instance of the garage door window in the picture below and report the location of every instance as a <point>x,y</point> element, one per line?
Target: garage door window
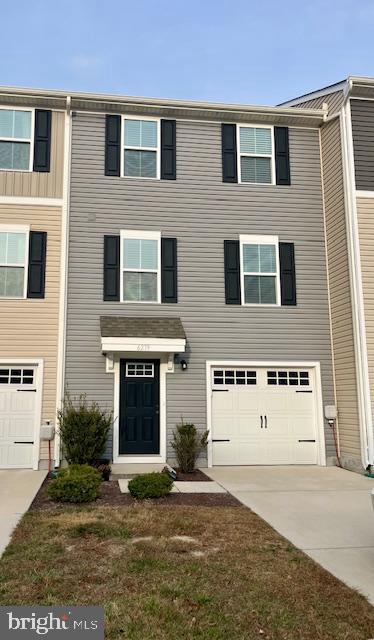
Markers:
<point>260,270</point>
<point>234,377</point>
<point>16,376</point>
<point>288,378</point>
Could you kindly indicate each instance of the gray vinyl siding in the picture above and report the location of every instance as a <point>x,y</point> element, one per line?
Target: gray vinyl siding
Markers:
<point>201,212</point>
<point>334,101</point>
<point>362,114</point>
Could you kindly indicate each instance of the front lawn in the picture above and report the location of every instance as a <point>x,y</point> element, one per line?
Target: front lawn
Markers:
<point>228,576</point>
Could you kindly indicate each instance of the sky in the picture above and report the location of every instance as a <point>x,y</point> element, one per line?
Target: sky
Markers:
<point>253,52</point>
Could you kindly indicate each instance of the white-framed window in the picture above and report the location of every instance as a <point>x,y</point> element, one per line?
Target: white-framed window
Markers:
<point>140,156</point>
<point>259,260</point>
<point>234,377</point>
<point>256,161</point>
<point>140,266</point>
<point>14,251</point>
<point>16,375</point>
<point>16,139</point>
<point>140,370</point>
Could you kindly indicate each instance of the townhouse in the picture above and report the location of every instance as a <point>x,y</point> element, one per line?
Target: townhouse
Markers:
<point>197,285</point>
<point>347,139</point>
<point>33,189</point>
<point>183,260</point>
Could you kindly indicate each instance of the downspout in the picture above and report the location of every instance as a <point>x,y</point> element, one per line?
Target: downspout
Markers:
<point>358,314</point>
<point>63,274</point>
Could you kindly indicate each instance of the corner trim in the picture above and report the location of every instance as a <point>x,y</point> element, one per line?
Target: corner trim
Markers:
<point>358,312</point>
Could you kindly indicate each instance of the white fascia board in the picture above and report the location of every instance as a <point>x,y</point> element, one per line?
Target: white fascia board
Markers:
<point>143,345</point>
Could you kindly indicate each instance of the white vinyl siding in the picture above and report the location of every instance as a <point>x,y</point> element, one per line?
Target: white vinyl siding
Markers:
<point>141,148</point>
<point>13,261</point>
<point>140,266</point>
<point>256,154</point>
<point>259,258</point>
<point>16,139</point>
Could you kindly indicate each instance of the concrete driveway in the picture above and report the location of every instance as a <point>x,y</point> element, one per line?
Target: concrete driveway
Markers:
<point>325,511</point>
<point>18,488</point>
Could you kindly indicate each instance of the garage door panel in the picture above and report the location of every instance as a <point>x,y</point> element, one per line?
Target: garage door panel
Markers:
<point>288,434</point>
<point>17,416</point>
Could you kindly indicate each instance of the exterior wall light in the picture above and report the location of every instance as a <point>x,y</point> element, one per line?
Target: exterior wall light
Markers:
<point>183,364</point>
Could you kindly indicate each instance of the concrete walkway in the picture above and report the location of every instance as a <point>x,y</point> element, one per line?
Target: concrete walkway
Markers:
<point>325,511</point>
<point>18,488</point>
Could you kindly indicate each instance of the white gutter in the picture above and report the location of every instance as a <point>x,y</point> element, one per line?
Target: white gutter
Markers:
<point>358,313</point>
<point>63,274</point>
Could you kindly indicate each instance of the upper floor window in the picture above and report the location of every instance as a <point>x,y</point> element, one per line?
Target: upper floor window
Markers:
<point>140,266</point>
<point>13,261</point>
<point>16,139</point>
<point>256,154</point>
<point>260,282</point>
<point>141,148</point>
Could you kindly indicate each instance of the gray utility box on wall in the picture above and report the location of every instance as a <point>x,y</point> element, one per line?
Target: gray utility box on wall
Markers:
<point>47,432</point>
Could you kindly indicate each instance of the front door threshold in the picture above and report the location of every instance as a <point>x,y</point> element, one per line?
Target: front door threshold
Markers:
<point>133,468</point>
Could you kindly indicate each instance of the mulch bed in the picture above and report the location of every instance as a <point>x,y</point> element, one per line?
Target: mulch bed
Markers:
<point>195,476</point>
<point>111,496</point>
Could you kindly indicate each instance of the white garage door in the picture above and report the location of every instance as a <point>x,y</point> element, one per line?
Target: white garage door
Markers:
<point>17,416</point>
<point>263,416</point>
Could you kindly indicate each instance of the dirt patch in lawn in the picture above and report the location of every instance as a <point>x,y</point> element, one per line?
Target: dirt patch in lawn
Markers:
<point>193,573</point>
<point>110,495</point>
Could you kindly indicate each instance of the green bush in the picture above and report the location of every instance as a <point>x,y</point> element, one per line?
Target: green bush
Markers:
<point>187,444</point>
<point>77,483</point>
<point>84,430</point>
<point>150,485</point>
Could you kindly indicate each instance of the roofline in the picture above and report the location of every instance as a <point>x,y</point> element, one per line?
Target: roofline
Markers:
<point>85,98</point>
<point>331,88</point>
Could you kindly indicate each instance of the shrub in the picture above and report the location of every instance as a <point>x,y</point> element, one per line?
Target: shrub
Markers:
<point>187,444</point>
<point>104,467</point>
<point>150,485</point>
<point>84,430</point>
<point>77,483</point>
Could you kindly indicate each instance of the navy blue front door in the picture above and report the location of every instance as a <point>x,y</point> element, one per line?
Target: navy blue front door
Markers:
<point>139,419</point>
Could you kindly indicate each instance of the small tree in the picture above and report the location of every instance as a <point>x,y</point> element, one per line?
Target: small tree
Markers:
<point>187,444</point>
<point>84,430</point>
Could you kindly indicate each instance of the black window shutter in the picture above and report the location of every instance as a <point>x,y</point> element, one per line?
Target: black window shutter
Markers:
<point>168,150</point>
<point>111,268</point>
<point>229,159</point>
<point>37,260</point>
<point>169,283</point>
<point>112,145</point>
<point>282,156</point>
<point>287,273</point>
<point>42,140</point>
<point>232,272</point>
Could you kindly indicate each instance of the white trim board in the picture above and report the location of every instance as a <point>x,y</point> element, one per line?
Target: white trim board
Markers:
<point>297,364</point>
<point>364,194</point>
<point>40,202</point>
<point>38,363</point>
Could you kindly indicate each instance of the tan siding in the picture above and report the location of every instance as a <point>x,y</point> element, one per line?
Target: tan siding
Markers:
<point>44,185</point>
<point>341,313</point>
<point>365,212</point>
<point>29,328</point>
<point>334,100</point>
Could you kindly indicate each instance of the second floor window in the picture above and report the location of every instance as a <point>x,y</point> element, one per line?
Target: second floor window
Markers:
<point>256,155</point>
<point>260,270</point>
<point>140,260</point>
<point>13,262</point>
<point>16,132</point>
<point>141,152</point>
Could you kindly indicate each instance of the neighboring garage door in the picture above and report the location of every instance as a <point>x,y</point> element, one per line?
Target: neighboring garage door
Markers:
<point>17,416</point>
<point>263,416</point>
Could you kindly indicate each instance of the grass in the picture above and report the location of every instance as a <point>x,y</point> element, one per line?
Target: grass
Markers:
<point>237,579</point>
